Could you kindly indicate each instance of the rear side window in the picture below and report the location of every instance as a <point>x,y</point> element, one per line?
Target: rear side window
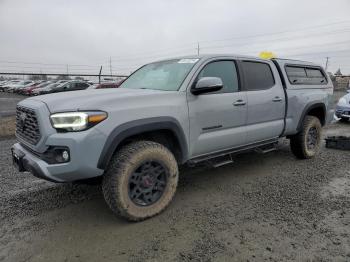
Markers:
<point>299,75</point>
<point>257,76</point>
<point>226,70</point>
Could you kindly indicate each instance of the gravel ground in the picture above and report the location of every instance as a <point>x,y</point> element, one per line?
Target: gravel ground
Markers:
<point>261,207</point>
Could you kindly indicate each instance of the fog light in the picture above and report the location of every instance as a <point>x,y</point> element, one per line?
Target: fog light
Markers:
<point>56,155</point>
<point>65,155</point>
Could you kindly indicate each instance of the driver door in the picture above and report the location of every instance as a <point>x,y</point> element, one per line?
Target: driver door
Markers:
<point>218,120</point>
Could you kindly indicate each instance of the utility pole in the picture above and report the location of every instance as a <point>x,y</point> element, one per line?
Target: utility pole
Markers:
<point>67,71</point>
<point>99,75</point>
<point>198,48</point>
<point>326,67</point>
<point>110,65</point>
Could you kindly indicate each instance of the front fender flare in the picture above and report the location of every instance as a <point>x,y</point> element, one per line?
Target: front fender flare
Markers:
<point>135,127</point>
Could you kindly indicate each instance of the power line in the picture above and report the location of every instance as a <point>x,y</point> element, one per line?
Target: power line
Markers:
<point>149,57</point>
<point>277,33</point>
<point>278,39</point>
<point>320,53</point>
<point>139,59</point>
<point>238,37</point>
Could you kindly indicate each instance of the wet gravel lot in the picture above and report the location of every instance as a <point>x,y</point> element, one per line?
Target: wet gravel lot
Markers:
<point>262,207</point>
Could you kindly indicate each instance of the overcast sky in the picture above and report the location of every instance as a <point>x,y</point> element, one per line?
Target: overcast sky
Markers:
<point>47,35</point>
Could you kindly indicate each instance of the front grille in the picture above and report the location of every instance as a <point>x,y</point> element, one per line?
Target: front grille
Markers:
<point>27,127</point>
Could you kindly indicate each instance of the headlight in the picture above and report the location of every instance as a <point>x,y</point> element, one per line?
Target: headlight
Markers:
<point>77,121</point>
<point>342,102</point>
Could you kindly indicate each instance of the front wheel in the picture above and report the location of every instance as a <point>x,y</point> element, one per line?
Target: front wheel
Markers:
<point>307,142</point>
<point>141,180</point>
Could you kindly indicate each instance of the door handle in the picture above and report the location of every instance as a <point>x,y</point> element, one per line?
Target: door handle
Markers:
<point>277,99</point>
<point>239,102</point>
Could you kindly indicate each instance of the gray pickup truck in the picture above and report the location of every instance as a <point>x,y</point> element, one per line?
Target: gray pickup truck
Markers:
<point>169,113</point>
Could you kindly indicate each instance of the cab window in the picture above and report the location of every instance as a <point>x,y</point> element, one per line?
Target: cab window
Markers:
<point>226,70</point>
<point>257,76</point>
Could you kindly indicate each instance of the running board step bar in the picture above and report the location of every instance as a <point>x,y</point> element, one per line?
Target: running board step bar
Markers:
<point>221,161</point>
<point>261,147</point>
<point>266,149</point>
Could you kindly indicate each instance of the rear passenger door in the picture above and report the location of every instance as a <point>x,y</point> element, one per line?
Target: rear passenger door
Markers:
<point>266,101</point>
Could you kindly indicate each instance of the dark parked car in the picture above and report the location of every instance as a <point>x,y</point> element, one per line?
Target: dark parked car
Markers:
<point>70,86</point>
<point>44,90</point>
<point>106,85</point>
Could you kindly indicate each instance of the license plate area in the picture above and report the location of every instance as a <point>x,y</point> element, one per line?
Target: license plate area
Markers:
<point>17,160</point>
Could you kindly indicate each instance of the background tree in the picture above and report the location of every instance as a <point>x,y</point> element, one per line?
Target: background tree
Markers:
<point>338,73</point>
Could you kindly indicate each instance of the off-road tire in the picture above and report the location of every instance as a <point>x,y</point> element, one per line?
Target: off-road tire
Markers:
<point>115,184</point>
<point>298,142</point>
<point>343,119</point>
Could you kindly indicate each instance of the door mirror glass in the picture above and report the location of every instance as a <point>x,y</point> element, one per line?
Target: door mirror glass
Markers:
<point>207,85</point>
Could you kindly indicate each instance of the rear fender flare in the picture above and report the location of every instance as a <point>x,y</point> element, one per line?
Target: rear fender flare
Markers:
<point>307,109</point>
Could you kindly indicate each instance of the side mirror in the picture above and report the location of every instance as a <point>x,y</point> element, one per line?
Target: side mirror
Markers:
<point>207,85</point>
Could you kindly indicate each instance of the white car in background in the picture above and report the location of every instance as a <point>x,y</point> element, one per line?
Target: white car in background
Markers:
<point>342,110</point>
<point>9,84</point>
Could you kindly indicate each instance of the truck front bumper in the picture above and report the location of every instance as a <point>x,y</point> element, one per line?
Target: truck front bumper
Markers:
<point>342,112</point>
<point>24,160</point>
<point>84,150</point>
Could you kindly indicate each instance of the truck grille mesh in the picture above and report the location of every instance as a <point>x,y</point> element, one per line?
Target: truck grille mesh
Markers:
<point>27,127</point>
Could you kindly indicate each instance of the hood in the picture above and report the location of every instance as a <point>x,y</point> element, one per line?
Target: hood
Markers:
<point>96,99</point>
<point>347,98</point>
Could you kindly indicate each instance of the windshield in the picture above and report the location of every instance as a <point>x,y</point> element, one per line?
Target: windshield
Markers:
<point>165,75</point>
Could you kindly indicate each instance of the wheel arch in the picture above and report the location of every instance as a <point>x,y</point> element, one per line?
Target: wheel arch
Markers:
<point>313,109</point>
<point>156,129</point>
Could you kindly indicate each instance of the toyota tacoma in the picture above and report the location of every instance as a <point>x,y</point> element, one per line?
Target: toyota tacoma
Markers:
<point>169,113</point>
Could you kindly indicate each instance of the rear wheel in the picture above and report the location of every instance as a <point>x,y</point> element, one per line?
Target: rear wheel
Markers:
<point>306,143</point>
<point>141,180</point>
